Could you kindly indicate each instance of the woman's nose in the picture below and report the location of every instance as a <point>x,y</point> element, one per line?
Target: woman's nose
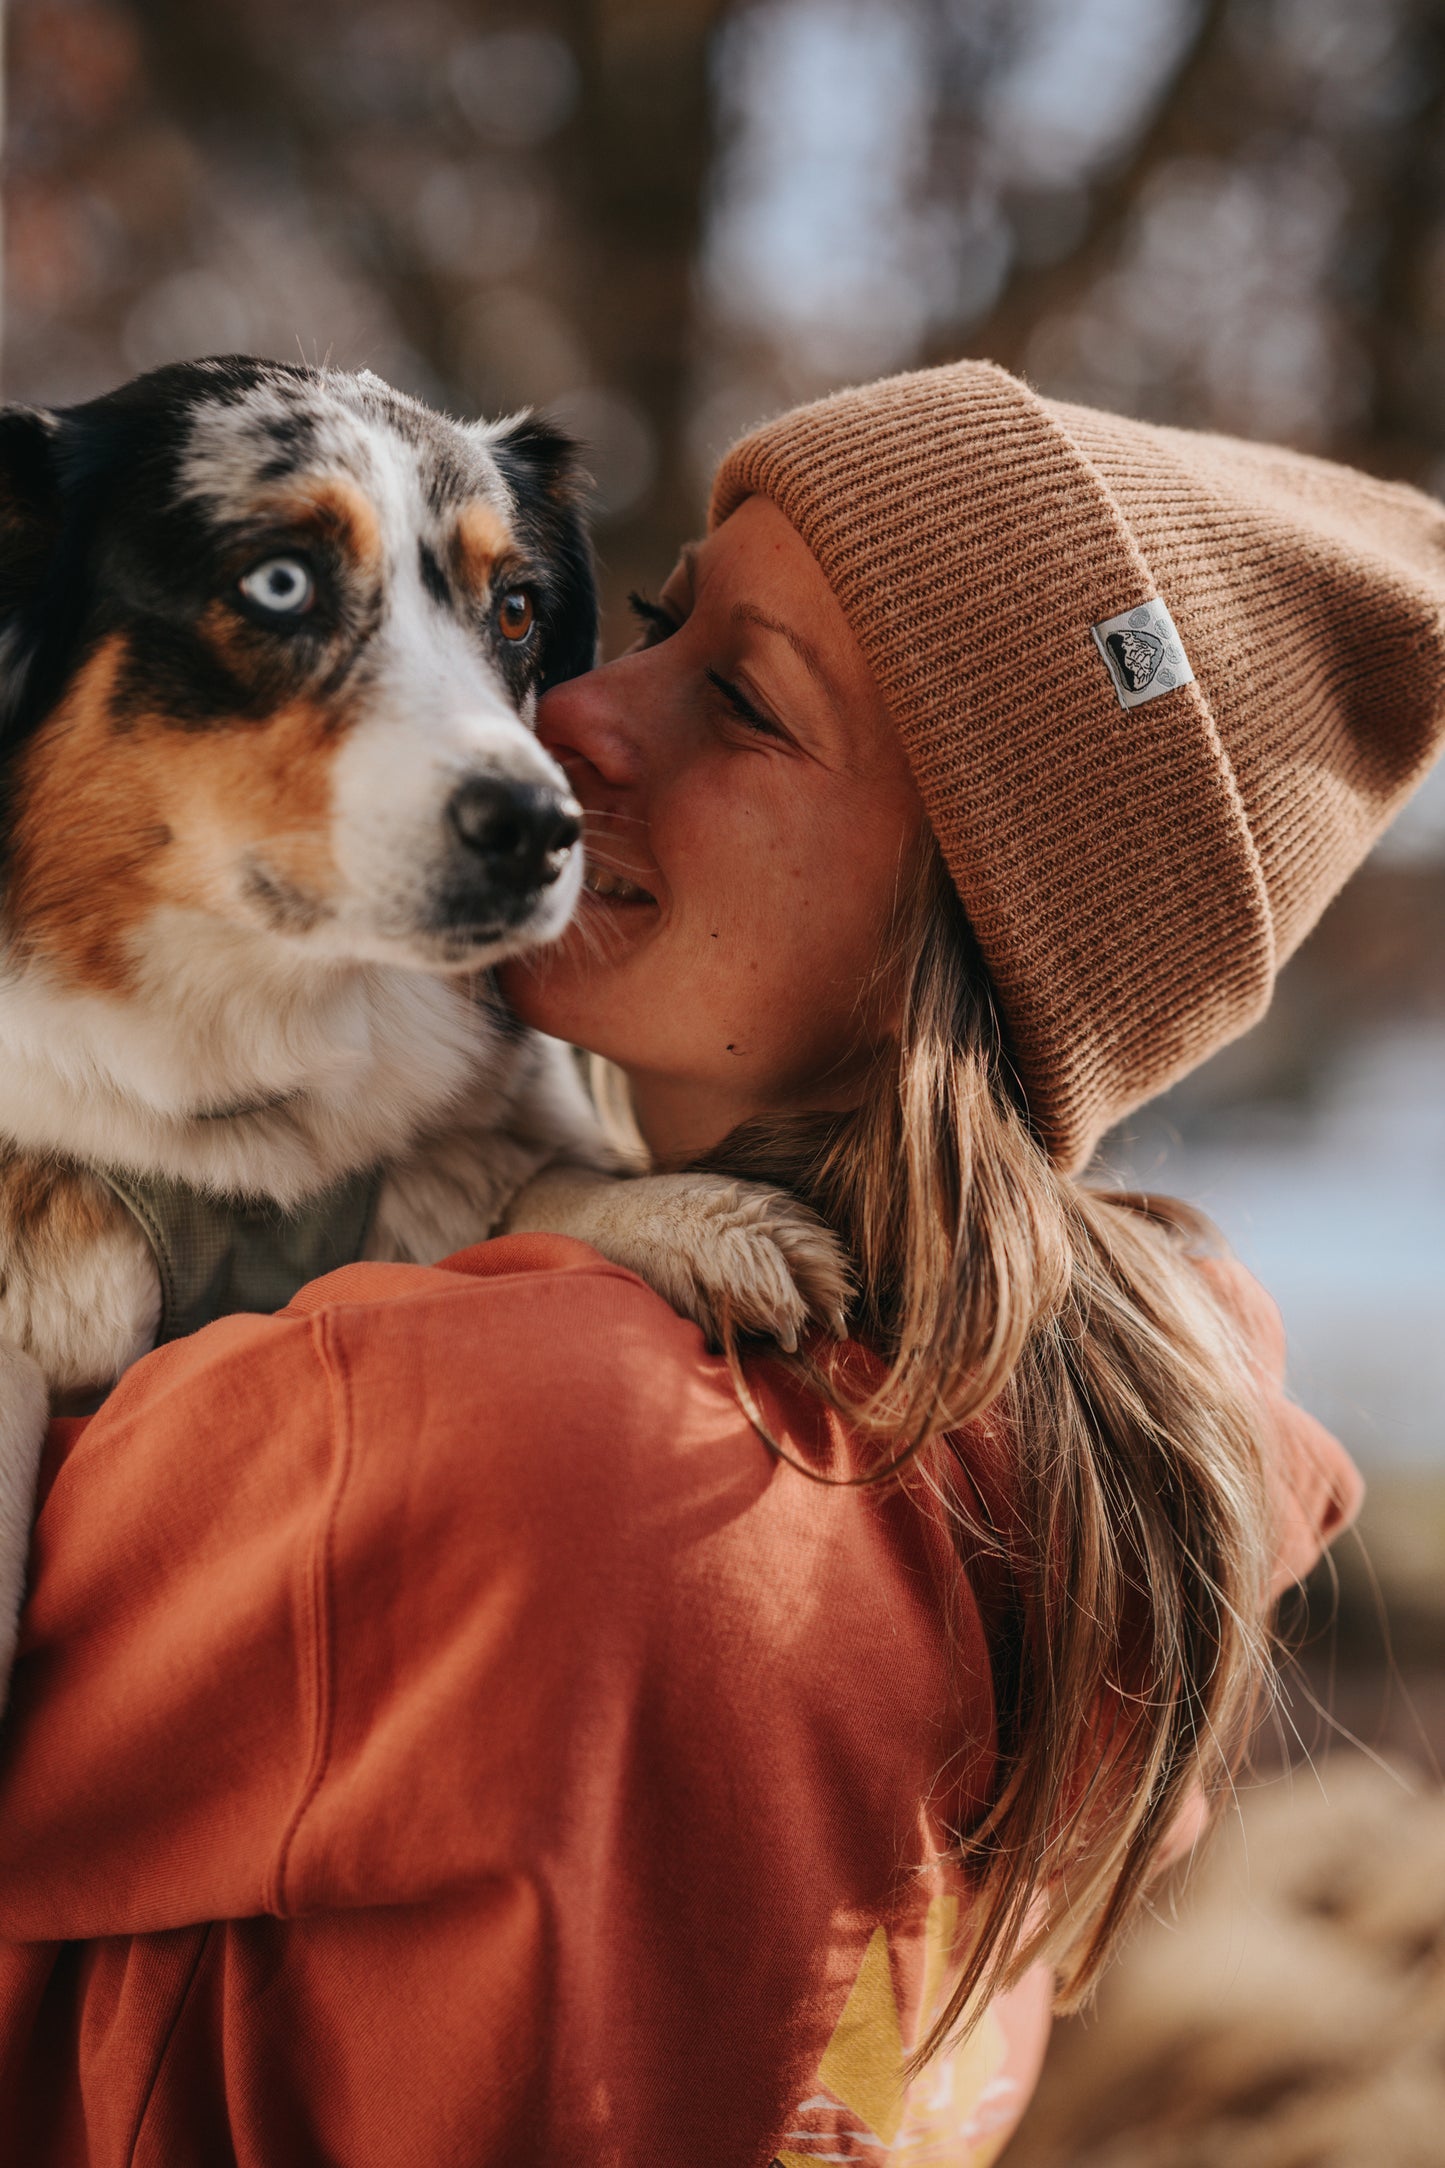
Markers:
<point>587,723</point>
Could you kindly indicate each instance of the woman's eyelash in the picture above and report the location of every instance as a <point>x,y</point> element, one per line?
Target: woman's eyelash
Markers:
<point>658,621</point>
<point>739,702</point>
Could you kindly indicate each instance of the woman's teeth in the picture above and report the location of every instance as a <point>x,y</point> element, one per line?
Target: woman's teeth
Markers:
<point>600,882</point>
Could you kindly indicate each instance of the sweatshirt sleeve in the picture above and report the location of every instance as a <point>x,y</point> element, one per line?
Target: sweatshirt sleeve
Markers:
<point>160,1685</point>
<point>1316,1488</point>
<point>307,1590</point>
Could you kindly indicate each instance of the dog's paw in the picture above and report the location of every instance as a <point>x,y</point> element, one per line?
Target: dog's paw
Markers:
<point>716,1249</point>
<point>719,1250</point>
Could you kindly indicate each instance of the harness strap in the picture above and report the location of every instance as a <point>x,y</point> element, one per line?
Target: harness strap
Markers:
<point>217,1255</point>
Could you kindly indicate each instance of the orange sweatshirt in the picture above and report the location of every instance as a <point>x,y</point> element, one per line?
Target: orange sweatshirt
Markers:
<point>444,1734</point>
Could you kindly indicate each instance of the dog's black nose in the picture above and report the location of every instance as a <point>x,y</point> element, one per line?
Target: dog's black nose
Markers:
<point>521,832</point>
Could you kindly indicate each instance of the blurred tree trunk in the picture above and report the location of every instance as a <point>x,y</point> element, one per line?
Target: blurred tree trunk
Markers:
<point>224,79</point>
<point>634,169</point>
<point>631,169</point>
<point>1402,309</point>
<point>1229,103</point>
<point>1196,110</point>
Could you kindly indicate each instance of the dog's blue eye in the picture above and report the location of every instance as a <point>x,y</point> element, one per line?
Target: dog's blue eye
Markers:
<point>282,585</point>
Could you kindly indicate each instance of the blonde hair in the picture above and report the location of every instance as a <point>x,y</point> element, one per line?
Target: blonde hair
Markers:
<point>1018,1308</point>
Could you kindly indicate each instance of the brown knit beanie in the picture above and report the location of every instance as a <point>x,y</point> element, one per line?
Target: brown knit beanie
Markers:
<point>1160,692</point>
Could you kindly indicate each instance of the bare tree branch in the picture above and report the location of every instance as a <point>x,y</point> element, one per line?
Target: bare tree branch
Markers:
<point>1185,117</point>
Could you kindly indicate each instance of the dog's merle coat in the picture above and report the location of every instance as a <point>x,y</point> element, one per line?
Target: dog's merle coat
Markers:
<point>271,806</point>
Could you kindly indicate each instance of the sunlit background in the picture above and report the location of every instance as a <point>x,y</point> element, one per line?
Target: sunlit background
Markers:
<point>663,219</point>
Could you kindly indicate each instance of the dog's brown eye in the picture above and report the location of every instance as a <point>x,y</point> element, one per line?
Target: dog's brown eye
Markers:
<point>515,614</point>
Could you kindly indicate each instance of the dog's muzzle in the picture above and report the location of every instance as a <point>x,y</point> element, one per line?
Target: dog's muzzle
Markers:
<point>514,839</point>
<point>519,833</point>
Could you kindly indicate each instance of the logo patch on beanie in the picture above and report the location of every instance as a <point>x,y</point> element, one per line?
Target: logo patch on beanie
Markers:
<point>1143,653</point>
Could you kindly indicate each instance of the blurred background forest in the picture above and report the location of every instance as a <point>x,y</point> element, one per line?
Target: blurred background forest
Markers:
<point>662,219</point>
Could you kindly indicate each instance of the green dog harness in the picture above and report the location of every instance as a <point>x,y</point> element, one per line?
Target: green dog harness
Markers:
<point>217,1255</point>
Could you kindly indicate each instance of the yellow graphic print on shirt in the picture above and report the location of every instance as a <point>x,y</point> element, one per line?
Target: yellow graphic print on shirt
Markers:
<point>957,2114</point>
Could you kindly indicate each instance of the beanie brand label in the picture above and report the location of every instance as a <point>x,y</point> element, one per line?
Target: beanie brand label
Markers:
<point>1143,653</point>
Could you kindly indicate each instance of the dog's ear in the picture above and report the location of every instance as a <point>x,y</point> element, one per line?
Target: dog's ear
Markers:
<point>542,466</point>
<point>31,526</point>
<point>30,504</point>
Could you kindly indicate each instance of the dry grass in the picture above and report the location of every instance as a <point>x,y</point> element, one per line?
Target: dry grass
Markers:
<point>1292,2014</point>
<point>1288,2010</point>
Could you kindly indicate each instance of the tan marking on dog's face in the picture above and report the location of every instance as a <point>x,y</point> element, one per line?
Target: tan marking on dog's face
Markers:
<point>480,539</point>
<point>322,508</point>
<point>336,511</point>
<point>229,637</point>
<point>110,826</point>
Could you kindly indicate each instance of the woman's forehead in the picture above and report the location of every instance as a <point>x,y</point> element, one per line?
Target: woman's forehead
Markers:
<point>756,583</point>
<point>759,572</point>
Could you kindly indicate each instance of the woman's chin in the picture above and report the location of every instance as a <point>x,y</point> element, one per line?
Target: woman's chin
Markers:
<point>535,989</point>
<point>564,988</point>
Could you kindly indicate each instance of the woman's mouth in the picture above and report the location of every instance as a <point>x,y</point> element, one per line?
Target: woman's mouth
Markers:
<point>610,887</point>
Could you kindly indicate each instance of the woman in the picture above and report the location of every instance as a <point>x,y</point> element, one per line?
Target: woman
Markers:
<point>445,1730</point>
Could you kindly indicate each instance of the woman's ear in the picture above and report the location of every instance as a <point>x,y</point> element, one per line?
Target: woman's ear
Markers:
<point>542,466</point>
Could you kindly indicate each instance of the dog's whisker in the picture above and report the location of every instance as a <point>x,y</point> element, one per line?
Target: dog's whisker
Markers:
<point>592,831</point>
<point>621,866</point>
<point>595,931</point>
<point>609,862</point>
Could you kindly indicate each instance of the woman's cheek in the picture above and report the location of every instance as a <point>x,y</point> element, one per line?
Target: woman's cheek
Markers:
<point>801,1011</point>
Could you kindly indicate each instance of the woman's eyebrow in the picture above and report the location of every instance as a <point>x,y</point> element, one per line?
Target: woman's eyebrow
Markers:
<point>748,613</point>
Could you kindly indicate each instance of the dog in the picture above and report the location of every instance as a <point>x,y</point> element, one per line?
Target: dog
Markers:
<point>271,808</point>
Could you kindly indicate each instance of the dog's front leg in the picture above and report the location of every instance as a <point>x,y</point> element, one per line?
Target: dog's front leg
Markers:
<point>713,1248</point>
<point>453,1186</point>
<point>24,1415</point>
